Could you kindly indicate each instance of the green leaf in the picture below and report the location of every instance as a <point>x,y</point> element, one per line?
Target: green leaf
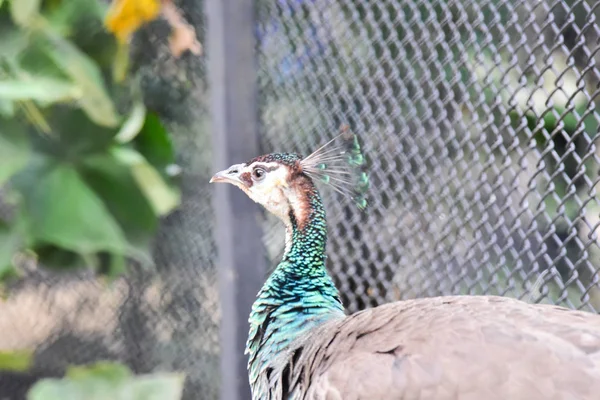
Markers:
<point>7,108</point>
<point>163,386</point>
<point>108,381</point>
<point>120,64</point>
<point>14,149</point>
<point>133,124</point>
<point>115,184</point>
<point>10,243</point>
<point>105,370</point>
<point>17,361</point>
<point>75,137</point>
<point>162,197</point>
<point>40,89</point>
<point>23,12</point>
<point>14,41</point>
<point>65,15</point>
<point>54,257</point>
<point>154,142</point>
<point>115,266</point>
<point>62,210</point>
<point>85,73</point>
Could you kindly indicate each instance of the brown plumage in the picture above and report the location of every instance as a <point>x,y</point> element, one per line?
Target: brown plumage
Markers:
<point>455,347</point>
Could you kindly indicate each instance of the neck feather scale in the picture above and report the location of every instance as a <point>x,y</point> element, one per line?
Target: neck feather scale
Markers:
<point>299,295</point>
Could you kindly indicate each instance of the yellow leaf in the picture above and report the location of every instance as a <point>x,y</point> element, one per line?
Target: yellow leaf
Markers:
<point>125,16</point>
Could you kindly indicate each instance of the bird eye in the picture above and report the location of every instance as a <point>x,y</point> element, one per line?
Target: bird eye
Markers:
<point>258,174</point>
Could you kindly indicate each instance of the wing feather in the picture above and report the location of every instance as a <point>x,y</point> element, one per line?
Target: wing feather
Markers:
<point>460,347</point>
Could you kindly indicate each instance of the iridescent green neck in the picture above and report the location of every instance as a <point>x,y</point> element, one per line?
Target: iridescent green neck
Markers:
<point>298,296</point>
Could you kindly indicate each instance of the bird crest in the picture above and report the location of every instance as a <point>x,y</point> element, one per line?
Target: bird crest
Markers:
<point>340,163</point>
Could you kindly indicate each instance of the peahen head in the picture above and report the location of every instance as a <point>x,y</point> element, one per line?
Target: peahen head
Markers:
<point>272,180</point>
<point>281,181</point>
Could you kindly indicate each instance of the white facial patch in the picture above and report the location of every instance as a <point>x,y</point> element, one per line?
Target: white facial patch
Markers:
<point>270,191</point>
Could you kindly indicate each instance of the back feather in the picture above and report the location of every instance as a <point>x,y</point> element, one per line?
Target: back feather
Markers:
<point>448,348</point>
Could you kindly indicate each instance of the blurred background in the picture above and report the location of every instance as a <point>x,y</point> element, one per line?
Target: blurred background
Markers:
<point>479,121</point>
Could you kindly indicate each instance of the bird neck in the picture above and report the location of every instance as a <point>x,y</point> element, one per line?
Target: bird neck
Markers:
<point>299,295</point>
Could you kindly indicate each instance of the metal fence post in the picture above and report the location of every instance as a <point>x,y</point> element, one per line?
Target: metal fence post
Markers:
<point>241,263</point>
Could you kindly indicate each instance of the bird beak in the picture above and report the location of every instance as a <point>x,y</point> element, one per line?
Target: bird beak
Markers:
<point>229,175</point>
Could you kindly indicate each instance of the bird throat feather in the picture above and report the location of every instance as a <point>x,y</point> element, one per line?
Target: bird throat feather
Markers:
<point>340,164</point>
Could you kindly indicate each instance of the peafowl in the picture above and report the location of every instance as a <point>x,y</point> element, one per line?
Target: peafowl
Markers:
<point>302,345</point>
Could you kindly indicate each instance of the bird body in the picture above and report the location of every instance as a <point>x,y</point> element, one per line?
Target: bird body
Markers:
<point>444,348</point>
<point>302,345</point>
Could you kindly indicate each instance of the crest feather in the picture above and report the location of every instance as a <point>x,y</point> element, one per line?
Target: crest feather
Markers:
<point>340,164</point>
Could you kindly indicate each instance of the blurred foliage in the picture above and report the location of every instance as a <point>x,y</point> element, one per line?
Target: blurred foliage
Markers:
<point>100,381</point>
<point>86,169</point>
<point>16,361</point>
<point>108,381</point>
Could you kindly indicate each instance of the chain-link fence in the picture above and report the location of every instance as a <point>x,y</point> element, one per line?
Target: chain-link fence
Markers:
<point>479,123</point>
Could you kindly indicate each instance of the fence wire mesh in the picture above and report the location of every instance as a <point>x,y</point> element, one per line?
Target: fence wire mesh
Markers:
<point>479,122</point>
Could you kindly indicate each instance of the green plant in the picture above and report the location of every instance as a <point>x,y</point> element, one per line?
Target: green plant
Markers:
<point>100,381</point>
<point>85,166</point>
<point>108,381</point>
